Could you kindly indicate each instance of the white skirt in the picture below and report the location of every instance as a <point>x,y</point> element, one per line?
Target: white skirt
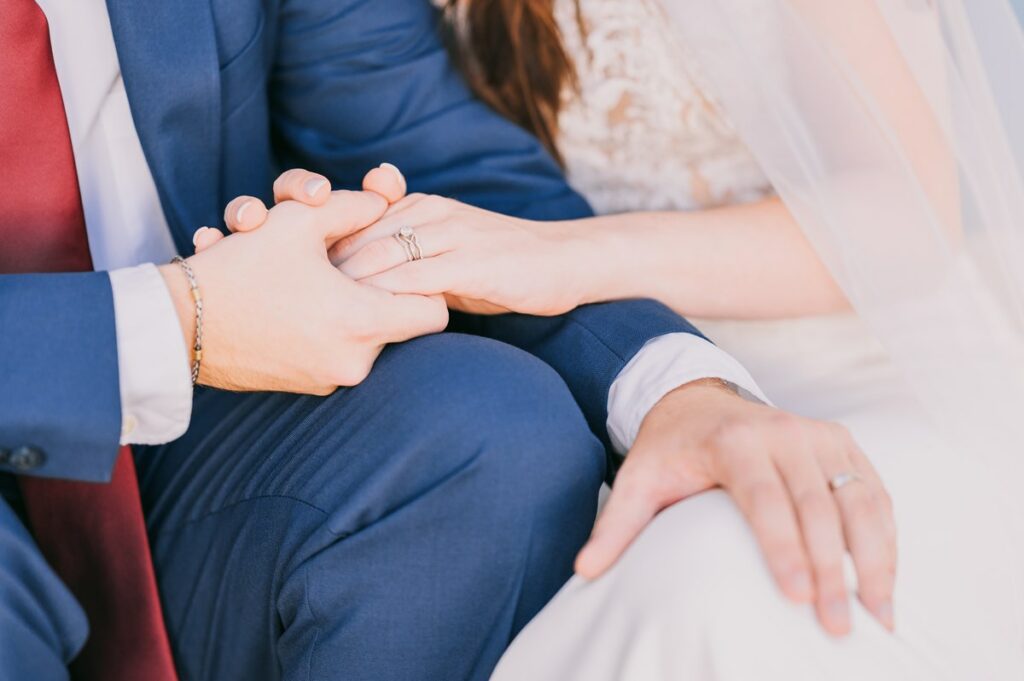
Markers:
<point>693,600</point>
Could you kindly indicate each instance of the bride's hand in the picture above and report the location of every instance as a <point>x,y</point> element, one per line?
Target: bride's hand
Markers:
<point>780,470</point>
<point>483,262</point>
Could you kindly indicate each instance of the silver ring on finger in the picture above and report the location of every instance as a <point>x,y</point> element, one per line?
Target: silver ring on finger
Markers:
<point>837,482</point>
<point>406,236</point>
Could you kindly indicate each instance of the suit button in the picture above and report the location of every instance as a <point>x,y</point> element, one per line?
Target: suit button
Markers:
<point>26,458</point>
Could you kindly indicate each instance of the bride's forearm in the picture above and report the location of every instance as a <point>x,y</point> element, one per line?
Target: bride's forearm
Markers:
<point>744,262</point>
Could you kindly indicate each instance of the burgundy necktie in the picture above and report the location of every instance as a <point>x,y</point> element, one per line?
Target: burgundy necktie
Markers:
<point>93,535</point>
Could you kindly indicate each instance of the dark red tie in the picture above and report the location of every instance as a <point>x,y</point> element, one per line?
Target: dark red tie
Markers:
<point>93,535</point>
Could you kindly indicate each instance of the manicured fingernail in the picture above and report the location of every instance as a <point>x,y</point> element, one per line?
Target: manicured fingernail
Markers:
<point>393,168</point>
<point>313,185</point>
<point>884,614</point>
<point>195,235</point>
<point>839,612</point>
<point>798,584</point>
<point>241,211</point>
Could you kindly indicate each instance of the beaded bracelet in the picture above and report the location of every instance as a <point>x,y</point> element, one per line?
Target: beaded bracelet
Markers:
<point>193,284</point>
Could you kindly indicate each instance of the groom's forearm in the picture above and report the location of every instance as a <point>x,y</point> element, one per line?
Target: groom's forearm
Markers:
<point>588,347</point>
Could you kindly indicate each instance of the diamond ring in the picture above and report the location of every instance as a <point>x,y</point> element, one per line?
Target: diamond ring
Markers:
<point>842,480</point>
<point>406,236</point>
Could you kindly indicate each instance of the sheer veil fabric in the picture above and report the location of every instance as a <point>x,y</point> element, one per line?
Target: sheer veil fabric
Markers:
<point>908,179</point>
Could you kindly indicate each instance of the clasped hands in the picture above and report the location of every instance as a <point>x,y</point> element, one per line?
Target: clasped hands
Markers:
<point>309,292</point>
<point>279,316</point>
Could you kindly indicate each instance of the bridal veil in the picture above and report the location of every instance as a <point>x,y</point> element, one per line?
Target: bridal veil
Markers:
<point>894,132</point>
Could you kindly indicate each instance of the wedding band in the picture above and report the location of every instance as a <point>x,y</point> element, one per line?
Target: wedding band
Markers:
<point>842,480</point>
<point>410,243</point>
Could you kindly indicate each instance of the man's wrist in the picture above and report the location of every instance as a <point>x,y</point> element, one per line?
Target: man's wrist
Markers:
<point>699,391</point>
<point>156,393</point>
<point>184,305</point>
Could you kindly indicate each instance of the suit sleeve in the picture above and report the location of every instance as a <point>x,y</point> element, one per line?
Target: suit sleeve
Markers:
<point>359,82</point>
<point>60,405</point>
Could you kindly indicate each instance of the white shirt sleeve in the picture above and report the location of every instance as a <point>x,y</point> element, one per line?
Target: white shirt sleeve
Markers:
<point>662,365</point>
<point>156,386</point>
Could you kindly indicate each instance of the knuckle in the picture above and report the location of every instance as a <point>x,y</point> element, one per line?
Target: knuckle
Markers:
<point>874,574</point>
<point>783,551</point>
<point>829,569</point>
<point>787,424</point>
<point>838,430</point>
<point>763,493</point>
<point>861,508</point>
<point>361,325</point>
<point>377,251</point>
<point>438,207</point>
<point>352,372</point>
<point>291,211</point>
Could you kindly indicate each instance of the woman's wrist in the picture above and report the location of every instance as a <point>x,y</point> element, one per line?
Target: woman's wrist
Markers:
<point>577,259</point>
<point>598,260</point>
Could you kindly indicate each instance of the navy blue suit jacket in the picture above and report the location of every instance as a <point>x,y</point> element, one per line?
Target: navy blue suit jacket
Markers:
<point>226,93</point>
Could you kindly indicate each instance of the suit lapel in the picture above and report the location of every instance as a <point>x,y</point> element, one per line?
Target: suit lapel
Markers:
<point>168,56</point>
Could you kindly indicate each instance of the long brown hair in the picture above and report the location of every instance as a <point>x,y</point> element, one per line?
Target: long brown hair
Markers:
<point>511,54</point>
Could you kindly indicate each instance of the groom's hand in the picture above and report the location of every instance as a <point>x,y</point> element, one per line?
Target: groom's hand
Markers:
<point>246,213</point>
<point>778,468</point>
<point>277,314</point>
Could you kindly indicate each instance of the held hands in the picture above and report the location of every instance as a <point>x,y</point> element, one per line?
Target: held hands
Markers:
<point>482,262</point>
<point>777,468</point>
<point>278,315</point>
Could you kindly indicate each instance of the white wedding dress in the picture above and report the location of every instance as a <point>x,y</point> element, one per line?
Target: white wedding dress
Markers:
<point>692,599</point>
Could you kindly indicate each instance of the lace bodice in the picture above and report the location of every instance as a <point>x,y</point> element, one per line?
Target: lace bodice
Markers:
<point>644,132</point>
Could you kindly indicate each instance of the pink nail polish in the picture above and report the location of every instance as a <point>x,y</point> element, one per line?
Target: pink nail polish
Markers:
<point>195,235</point>
<point>241,211</point>
<point>314,185</point>
<point>393,168</point>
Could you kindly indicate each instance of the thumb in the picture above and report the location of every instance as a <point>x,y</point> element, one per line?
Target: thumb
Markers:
<point>346,212</point>
<point>625,515</point>
<point>407,316</point>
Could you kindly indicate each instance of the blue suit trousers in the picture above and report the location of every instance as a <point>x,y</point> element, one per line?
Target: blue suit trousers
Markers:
<point>404,529</point>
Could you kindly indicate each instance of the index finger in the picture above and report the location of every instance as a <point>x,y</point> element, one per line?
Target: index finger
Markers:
<point>627,513</point>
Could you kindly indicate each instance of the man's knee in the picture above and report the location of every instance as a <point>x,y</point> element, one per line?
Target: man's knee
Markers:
<point>499,407</point>
<point>43,626</point>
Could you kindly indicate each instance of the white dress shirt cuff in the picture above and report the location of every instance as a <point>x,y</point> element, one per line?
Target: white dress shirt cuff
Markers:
<point>156,387</point>
<point>662,365</point>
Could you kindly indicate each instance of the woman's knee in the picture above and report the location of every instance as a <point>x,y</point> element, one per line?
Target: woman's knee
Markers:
<point>698,566</point>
